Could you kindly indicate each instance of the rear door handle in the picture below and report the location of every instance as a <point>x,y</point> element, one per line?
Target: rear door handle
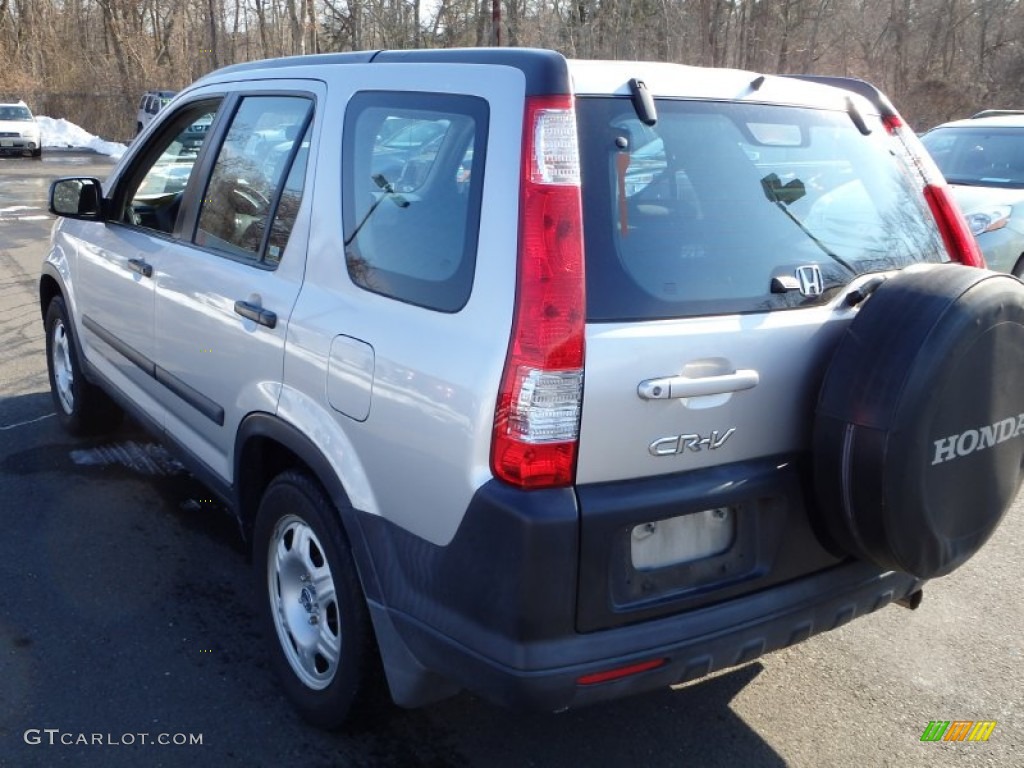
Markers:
<point>684,386</point>
<point>138,265</point>
<point>256,314</point>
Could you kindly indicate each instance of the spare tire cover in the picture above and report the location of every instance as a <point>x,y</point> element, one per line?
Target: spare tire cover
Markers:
<point>919,430</point>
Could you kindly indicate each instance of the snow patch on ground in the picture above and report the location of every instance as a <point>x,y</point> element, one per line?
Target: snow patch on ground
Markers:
<point>22,213</point>
<point>62,134</point>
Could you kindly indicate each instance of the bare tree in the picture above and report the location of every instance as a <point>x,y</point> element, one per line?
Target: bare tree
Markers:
<point>936,58</point>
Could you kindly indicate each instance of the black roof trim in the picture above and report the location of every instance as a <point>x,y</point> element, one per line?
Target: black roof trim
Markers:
<point>546,72</point>
<point>855,85</point>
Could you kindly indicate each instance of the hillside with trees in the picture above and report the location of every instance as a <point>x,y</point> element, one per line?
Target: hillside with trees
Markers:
<point>90,60</point>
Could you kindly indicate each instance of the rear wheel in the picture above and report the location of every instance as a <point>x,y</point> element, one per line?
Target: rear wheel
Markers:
<point>81,407</point>
<point>312,605</point>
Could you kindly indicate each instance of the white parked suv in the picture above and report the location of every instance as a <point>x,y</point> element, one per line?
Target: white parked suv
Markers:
<point>552,380</point>
<point>19,132</point>
<point>149,105</point>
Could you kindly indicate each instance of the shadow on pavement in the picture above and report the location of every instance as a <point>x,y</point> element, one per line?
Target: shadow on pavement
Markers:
<point>123,576</point>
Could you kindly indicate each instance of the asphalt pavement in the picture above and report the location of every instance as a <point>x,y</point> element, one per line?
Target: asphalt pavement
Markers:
<point>128,635</point>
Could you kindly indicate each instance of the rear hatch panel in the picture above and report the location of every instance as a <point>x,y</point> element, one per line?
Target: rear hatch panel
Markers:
<point>720,243</point>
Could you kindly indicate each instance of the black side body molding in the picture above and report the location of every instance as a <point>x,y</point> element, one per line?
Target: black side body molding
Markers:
<point>210,409</point>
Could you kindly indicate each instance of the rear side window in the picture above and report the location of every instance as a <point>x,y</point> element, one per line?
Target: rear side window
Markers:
<point>723,208</point>
<point>413,178</point>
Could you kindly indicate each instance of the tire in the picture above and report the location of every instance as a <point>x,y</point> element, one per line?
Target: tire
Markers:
<point>81,407</point>
<point>919,430</point>
<point>311,603</point>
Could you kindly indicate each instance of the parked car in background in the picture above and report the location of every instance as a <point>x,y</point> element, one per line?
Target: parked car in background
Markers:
<point>150,104</point>
<point>193,138</point>
<point>982,157</point>
<point>19,131</point>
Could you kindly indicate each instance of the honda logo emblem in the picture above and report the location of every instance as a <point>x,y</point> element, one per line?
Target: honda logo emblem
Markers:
<point>811,283</point>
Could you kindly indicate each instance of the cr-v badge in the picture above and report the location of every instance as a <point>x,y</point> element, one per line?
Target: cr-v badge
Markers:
<point>676,444</point>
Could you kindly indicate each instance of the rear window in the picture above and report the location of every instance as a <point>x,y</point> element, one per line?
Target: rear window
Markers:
<point>412,189</point>
<point>723,208</point>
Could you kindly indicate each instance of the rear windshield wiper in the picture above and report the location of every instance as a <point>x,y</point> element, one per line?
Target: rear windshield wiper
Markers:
<point>784,194</point>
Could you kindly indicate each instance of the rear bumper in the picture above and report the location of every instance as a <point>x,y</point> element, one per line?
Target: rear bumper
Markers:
<point>544,675</point>
<point>18,148</point>
<point>523,602</point>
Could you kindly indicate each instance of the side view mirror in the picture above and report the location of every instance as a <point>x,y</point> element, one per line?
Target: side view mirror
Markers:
<point>77,198</point>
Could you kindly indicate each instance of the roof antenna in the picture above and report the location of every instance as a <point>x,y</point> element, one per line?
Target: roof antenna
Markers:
<point>756,83</point>
<point>643,102</point>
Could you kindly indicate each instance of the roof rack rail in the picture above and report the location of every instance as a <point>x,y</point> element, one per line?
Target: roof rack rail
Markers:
<point>546,71</point>
<point>997,113</point>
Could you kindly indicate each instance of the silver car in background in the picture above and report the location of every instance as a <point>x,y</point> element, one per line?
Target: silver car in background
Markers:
<point>982,157</point>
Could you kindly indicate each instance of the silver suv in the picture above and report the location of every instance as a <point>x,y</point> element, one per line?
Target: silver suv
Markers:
<point>552,380</point>
<point>982,158</point>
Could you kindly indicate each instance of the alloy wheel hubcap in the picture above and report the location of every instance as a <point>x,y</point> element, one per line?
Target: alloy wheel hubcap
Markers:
<point>304,602</point>
<point>63,372</point>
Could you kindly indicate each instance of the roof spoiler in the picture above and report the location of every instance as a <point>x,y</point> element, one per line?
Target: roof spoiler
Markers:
<point>855,85</point>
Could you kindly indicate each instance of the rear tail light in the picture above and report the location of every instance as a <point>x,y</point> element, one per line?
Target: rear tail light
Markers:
<point>536,422</point>
<point>956,233</point>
